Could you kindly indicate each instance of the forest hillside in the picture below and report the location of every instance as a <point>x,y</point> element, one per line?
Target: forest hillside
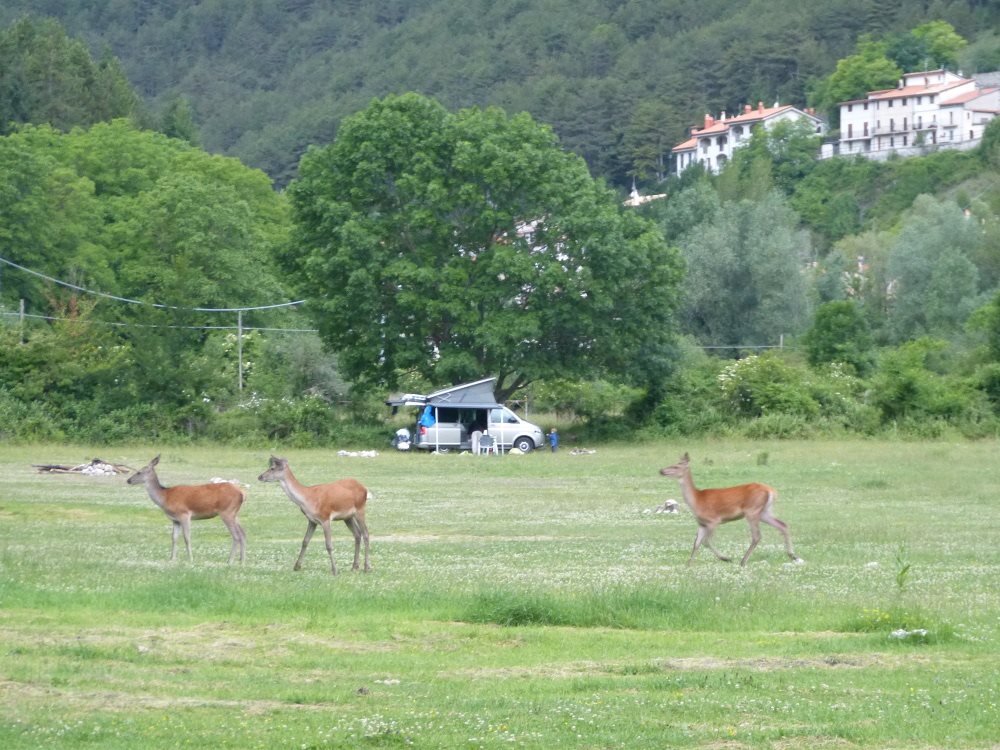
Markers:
<point>618,80</point>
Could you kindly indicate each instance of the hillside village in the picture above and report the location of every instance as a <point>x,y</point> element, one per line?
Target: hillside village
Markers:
<point>928,110</point>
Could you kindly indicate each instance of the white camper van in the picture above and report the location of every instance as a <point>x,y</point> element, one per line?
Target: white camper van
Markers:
<point>455,417</point>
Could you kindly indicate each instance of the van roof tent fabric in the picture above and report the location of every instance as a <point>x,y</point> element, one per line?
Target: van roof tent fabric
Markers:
<point>475,395</point>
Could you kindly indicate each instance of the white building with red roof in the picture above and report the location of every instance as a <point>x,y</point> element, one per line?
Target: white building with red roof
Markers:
<point>713,144</point>
<point>927,110</point>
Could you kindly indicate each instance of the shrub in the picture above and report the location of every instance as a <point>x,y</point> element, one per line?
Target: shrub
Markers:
<point>987,380</point>
<point>781,426</point>
<point>906,390</point>
<point>282,418</point>
<point>839,333</point>
<point>27,421</point>
<point>690,402</point>
<point>763,384</point>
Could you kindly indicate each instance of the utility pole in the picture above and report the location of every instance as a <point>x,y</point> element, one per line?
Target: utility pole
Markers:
<point>239,348</point>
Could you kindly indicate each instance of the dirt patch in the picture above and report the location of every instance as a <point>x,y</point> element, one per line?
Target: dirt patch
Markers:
<point>212,641</point>
<point>107,701</point>
<point>690,664</point>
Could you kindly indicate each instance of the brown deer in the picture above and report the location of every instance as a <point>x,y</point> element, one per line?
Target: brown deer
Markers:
<point>343,500</point>
<point>185,503</point>
<point>717,506</point>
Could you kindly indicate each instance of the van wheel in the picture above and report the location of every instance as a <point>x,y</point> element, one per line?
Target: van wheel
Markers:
<point>524,444</point>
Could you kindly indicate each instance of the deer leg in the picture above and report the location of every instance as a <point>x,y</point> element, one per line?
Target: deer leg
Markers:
<point>783,528</point>
<point>754,539</point>
<point>329,545</point>
<point>363,527</point>
<point>704,533</point>
<point>716,552</point>
<point>243,541</point>
<point>237,534</point>
<point>186,530</point>
<point>173,539</point>
<point>352,524</point>
<point>305,543</point>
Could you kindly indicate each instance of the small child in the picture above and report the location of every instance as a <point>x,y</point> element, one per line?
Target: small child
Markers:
<point>554,439</point>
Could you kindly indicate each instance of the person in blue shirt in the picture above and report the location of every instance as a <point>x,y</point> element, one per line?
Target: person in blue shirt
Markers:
<point>554,440</point>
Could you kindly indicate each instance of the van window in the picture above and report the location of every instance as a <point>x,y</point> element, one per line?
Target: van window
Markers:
<point>503,415</point>
<point>452,414</point>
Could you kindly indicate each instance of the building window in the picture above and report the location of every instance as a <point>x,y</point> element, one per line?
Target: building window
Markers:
<point>850,107</point>
<point>866,106</point>
<point>904,101</point>
<point>850,130</point>
<point>866,130</point>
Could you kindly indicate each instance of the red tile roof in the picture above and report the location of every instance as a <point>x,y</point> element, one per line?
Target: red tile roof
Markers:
<point>722,126</point>
<point>968,97</point>
<point>936,88</point>
<point>688,145</point>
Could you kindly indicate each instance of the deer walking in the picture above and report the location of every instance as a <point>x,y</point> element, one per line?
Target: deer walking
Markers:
<point>343,500</point>
<point>717,506</point>
<point>185,503</point>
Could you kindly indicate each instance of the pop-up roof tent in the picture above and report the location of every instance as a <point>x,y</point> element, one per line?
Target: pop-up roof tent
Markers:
<point>476,395</point>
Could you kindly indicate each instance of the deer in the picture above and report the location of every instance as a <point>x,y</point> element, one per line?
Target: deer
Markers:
<point>342,500</point>
<point>185,503</point>
<point>713,507</point>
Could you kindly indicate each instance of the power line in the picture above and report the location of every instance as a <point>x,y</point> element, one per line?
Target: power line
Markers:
<point>53,318</point>
<point>141,302</point>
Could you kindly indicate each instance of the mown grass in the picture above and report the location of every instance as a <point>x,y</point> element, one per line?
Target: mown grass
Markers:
<point>530,601</point>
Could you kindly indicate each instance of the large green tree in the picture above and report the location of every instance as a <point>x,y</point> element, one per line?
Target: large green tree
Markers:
<point>137,215</point>
<point>934,282</point>
<point>868,69</point>
<point>745,284</point>
<point>457,245</point>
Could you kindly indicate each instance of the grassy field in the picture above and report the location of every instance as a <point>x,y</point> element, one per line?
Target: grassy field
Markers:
<point>518,601</point>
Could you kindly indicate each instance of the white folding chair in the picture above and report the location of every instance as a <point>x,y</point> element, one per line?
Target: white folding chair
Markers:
<point>487,444</point>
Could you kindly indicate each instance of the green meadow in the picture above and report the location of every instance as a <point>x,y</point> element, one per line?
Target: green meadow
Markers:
<point>532,601</point>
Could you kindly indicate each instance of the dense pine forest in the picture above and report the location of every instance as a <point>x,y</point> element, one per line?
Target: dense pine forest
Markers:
<point>620,81</point>
<point>246,222</point>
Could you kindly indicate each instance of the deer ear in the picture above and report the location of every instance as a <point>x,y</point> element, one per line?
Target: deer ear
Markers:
<point>685,458</point>
<point>155,461</point>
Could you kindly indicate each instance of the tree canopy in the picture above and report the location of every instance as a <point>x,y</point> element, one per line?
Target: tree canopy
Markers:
<point>132,214</point>
<point>745,283</point>
<point>47,77</point>
<point>469,244</point>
